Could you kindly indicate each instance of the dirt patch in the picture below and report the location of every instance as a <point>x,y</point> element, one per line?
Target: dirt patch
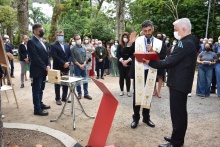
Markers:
<point>28,138</point>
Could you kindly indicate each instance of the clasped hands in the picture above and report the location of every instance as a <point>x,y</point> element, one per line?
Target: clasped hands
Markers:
<point>124,63</point>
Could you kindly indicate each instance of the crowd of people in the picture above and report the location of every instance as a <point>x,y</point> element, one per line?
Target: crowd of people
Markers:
<point>116,57</point>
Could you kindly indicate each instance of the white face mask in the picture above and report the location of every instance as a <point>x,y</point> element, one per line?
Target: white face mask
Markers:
<point>203,42</point>
<point>166,41</point>
<point>174,43</point>
<point>7,40</point>
<point>218,41</point>
<point>176,35</point>
<point>116,43</point>
<point>210,42</point>
<point>78,42</point>
<point>125,40</point>
<point>100,45</point>
<point>86,41</point>
<point>73,43</point>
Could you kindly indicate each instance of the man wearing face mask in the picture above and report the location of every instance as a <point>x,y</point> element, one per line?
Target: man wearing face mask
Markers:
<point>79,60</point>
<point>181,65</point>
<point>39,66</point>
<point>143,75</point>
<point>62,57</point>
<point>100,54</point>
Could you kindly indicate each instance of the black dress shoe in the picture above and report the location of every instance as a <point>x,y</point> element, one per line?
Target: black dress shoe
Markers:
<point>64,100</point>
<point>22,85</point>
<point>97,77</point>
<point>167,138</point>
<point>149,123</point>
<point>166,145</point>
<point>102,78</point>
<point>134,124</point>
<point>45,106</point>
<point>58,102</point>
<point>41,112</point>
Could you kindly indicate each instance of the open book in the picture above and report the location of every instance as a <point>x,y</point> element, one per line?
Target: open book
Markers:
<point>148,56</point>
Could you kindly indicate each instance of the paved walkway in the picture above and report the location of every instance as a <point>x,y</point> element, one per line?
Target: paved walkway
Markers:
<point>203,129</point>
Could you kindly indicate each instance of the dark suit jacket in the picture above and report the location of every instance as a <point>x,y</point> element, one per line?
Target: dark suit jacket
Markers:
<point>124,53</point>
<point>131,73</point>
<point>60,57</point>
<point>8,48</point>
<point>39,58</point>
<point>181,65</point>
<point>97,53</point>
<point>22,51</point>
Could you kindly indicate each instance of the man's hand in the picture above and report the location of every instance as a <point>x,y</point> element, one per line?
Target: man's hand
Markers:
<point>66,65</point>
<point>100,60</point>
<point>26,60</point>
<point>82,66</point>
<point>149,48</point>
<point>146,61</point>
<point>48,68</point>
<point>132,38</point>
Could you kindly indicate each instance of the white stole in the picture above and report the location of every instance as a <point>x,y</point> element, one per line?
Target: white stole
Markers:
<point>144,91</point>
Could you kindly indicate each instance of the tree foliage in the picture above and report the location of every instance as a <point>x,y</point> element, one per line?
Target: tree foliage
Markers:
<point>164,12</point>
<point>8,16</point>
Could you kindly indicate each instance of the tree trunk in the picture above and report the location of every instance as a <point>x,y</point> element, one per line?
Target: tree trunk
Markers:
<point>57,10</point>
<point>120,13</point>
<point>10,33</point>
<point>23,15</point>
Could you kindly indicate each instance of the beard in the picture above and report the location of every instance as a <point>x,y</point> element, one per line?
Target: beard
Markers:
<point>148,36</point>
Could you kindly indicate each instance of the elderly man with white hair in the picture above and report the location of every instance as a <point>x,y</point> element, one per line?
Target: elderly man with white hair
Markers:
<point>181,68</point>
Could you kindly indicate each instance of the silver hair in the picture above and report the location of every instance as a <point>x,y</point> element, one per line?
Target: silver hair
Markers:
<point>184,23</point>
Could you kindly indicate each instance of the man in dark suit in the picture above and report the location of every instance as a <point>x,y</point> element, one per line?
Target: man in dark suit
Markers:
<point>100,54</point>
<point>181,68</point>
<point>40,64</point>
<point>61,61</point>
<point>24,60</point>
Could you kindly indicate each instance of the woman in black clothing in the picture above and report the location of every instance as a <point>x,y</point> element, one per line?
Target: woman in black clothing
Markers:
<point>124,61</point>
<point>160,72</point>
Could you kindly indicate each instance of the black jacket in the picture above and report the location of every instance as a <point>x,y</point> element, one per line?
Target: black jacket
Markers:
<point>39,58</point>
<point>181,65</point>
<point>123,53</point>
<point>1,72</point>
<point>131,73</point>
<point>60,57</point>
<point>22,51</point>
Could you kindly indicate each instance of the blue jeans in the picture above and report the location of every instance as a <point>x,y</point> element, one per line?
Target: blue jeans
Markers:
<point>217,73</point>
<point>81,73</point>
<point>71,70</point>
<point>38,86</point>
<point>204,80</point>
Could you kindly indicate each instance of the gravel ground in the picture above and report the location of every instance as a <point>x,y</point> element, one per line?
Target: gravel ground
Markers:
<point>203,124</point>
<point>28,138</point>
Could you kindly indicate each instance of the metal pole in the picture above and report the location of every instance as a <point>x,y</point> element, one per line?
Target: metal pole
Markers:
<point>207,24</point>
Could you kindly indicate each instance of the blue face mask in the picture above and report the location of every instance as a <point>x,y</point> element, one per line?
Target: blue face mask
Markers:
<point>60,38</point>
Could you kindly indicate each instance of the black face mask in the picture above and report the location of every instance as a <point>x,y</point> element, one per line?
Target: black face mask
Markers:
<point>41,33</point>
<point>208,49</point>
